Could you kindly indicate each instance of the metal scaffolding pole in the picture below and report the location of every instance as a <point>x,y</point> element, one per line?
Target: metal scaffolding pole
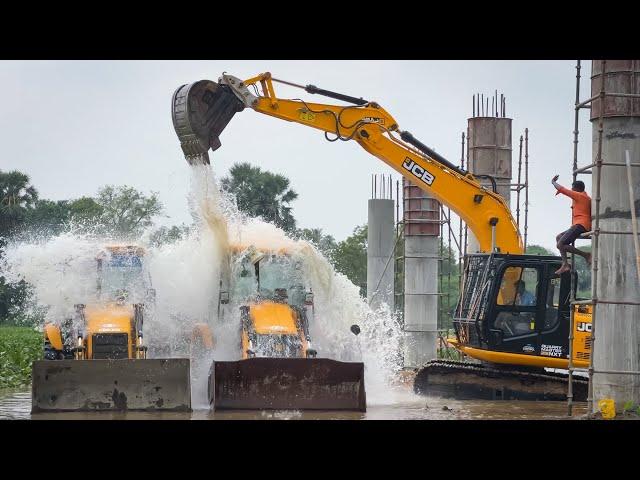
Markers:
<point>596,169</point>
<point>461,247</point>
<point>573,266</point>
<point>519,182</point>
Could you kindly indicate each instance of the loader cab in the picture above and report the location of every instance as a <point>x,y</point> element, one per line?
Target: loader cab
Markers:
<point>259,275</point>
<point>111,327</point>
<point>122,276</point>
<point>279,278</point>
<point>269,289</point>
<point>515,304</point>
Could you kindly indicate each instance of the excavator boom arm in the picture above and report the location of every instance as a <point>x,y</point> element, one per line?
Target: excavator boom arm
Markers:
<point>485,212</point>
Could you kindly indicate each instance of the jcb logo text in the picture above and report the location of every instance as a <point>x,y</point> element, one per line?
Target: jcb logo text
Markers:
<point>418,171</point>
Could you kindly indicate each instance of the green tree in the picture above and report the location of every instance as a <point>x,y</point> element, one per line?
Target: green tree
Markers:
<point>449,285</point>
<point>165,235</point>
<point>262,194</point>
<point>126,212</point>
<point>583,269</point>
<point>350,258</point>
<point>85,211</point>
<point>538,250</point>
<point>17,195</point>
<point>48,216</point>
<point>14,296</point>
<point>325,243</point>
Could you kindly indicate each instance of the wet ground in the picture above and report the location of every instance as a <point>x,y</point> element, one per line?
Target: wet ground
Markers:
<point>17,405</point>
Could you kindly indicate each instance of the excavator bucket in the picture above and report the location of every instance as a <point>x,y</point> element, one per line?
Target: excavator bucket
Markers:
<point>200,112</point>
<point>287,384</point>
<point>90,385</point>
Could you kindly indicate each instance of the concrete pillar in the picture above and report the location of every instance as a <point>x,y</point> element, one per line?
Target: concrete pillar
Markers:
<point>421,251</point>
<point>490,153</point>
<point>380,243</point>
<point>617,329</point>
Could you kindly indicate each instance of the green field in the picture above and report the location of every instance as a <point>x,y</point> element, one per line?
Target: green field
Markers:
<point>19,346</point>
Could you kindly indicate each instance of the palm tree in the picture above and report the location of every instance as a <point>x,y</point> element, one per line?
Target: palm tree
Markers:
<point>262,194</point>
<point>16,196</point>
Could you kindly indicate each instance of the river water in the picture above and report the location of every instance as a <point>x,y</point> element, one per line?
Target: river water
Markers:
<point>16,405</point>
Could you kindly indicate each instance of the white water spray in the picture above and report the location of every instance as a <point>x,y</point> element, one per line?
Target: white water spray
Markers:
<point>186,276</point>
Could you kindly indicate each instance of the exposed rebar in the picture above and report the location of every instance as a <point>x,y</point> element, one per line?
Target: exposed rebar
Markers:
<point>526,186</point>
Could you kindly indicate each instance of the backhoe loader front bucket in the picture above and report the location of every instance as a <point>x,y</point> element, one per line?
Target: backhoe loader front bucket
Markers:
<point>287,384</point>
<point>200,112</point>
<point>120,385</point>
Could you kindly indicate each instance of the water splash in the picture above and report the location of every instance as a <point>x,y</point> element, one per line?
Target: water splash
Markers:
<point>186,277</point>
<point>61,269</point>
<point>337,306</point>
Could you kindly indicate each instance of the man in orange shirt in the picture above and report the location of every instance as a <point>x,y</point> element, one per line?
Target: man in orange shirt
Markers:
<point>580,222</point>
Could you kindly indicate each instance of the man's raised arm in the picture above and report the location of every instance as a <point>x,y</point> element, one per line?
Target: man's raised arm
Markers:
<point>563,190</point>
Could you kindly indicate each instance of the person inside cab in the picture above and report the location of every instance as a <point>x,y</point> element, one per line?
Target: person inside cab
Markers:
<point>523,296</point>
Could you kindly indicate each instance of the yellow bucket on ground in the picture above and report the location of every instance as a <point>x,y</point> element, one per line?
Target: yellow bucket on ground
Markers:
<point>608,408</point>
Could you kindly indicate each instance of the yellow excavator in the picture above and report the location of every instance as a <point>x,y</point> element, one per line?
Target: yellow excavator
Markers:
<point>512,342</point>
<point>96,360</point>
<point>266,295</point>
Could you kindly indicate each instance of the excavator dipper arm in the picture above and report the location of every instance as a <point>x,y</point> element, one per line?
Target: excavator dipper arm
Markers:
<point>485,212</point>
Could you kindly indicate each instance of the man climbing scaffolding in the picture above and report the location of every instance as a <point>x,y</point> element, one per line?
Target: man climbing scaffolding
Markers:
<point>580,222</point>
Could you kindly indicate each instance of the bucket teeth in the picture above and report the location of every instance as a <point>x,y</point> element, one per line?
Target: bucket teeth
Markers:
<point>200,112</point>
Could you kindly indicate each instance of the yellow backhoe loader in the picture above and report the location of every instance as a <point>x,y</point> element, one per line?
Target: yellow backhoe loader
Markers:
<point>266,295</point>
<point>97,360</point>
<point>513,342</point>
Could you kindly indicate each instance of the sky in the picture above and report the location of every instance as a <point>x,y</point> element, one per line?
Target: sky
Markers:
<point>75,126</point>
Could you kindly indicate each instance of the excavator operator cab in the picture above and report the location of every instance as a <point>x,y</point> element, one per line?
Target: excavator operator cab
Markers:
<point>514,304</point>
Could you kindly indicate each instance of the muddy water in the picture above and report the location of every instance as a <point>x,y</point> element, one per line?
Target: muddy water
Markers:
<point>16,405</point>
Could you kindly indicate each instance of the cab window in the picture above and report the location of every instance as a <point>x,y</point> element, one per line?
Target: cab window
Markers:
<point>519,287</point>
<point>553,301</point>
<point>517,298</point>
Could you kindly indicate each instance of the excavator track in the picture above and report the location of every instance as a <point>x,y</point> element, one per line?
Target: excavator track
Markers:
<point>464,381</point>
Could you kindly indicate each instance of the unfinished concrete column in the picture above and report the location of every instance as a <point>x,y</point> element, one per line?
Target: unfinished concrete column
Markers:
<point>490,149</point>
<point>617,329</point>
<point>421,253</point>
<point>380,243</point>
